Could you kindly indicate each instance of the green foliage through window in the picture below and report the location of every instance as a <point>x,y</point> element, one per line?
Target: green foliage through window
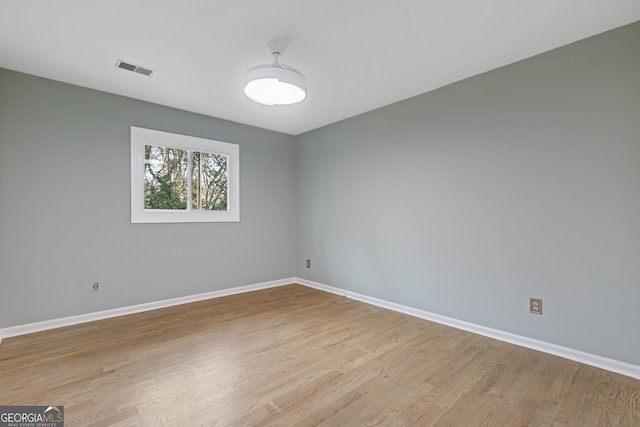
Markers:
<point>209,181</point>
<point>171,172</point>
<point>179,178</point>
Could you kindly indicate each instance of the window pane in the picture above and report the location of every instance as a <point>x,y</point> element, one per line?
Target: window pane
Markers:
<point>165,178</point>
<point>170,185</point>
<point>209,181</point>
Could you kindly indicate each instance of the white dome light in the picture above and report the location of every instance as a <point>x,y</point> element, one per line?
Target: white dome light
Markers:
<point>275,84</point>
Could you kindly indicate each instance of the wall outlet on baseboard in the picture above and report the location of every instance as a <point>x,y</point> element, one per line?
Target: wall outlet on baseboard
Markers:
<point>308,263</point>
<point>96,286</point>
<point>535,305</point>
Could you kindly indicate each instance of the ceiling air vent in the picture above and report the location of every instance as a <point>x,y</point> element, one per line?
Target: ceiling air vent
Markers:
<point>133,67</point>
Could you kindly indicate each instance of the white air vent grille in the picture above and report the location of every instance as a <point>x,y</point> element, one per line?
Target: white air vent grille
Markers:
<point>133,67</point>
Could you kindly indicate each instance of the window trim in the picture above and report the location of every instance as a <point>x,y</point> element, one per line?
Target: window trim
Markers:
<point>141,137</point>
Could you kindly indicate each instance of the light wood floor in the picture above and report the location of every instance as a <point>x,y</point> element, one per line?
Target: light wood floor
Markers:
<point>294,356</point>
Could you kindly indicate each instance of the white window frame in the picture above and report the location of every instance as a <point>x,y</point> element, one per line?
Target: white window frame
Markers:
<point>141,137</point>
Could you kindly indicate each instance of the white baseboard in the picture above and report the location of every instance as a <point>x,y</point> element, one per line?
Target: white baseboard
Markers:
<point>612,365</point>
<point>565,352</point>
<point>29,328</point>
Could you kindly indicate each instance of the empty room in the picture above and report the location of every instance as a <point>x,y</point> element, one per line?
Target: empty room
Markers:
<point>337,213</point>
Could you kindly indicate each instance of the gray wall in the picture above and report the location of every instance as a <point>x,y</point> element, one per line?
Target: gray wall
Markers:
<point>64,206</point>
<point>468,200</point>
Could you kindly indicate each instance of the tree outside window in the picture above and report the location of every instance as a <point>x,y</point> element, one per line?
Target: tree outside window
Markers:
<point>181,176</point>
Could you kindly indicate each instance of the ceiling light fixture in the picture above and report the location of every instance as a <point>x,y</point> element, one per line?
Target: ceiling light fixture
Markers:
<point>275,84</point>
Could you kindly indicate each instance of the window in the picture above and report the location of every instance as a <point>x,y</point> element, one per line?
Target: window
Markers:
<point>178,178</point>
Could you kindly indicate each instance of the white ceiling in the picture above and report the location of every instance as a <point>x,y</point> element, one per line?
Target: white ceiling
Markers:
<point>357,55</point>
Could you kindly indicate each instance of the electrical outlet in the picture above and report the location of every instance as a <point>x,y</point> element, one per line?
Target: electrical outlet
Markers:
<point>308,263</point>
<point>535,305</point>
<point>96,286</point>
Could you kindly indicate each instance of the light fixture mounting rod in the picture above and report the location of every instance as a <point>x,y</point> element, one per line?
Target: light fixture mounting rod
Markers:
<point>277,47</point>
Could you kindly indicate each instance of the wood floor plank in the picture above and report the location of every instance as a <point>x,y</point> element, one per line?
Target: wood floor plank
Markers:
<point>495,415</point>
<point>295,356</point>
